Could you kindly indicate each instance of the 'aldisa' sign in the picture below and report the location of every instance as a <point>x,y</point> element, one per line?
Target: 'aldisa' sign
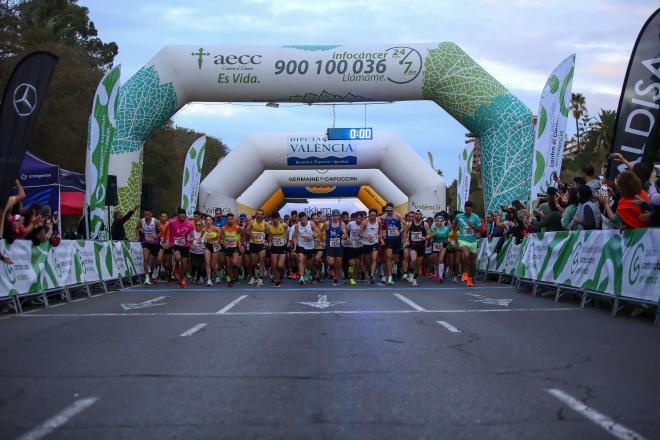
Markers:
<point>317,150</point>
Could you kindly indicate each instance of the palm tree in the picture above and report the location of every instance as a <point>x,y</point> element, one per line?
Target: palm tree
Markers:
<point>578,108</point>
<point>602,132</point>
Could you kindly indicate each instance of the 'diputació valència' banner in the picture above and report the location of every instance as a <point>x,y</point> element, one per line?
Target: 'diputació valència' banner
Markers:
<point>620,263</point>
<point>44,267</point>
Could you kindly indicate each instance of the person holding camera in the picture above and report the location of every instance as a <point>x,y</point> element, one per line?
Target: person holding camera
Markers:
<point>629,212</point>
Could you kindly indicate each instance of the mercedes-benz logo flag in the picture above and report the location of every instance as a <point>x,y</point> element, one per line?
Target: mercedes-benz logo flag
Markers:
<point>21,101</point>
<point>638,116</point>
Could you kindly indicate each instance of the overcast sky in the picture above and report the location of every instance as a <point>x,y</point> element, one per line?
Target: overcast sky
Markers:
<point>518,41</point>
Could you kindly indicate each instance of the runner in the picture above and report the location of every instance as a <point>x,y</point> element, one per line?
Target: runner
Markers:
<point>418,235</point>
<point>355,250</point>
<point>148,231</point>
<point>213,249</point>
<point>405,251</point>
<point>244,265</point>
<point>453,252</point>
<point>219,221</point>
<point>369,233</point>
<point>165,253</point>
<point>230,238</point>
<point>335,233</point>
<point>180,231</point>
<point>319,247</point>
<point>439,234</point>
<point>291,256</point>
<point>197,251</point>
<point>303,240</point>
<point>277,239</point>
<point>256,230</point>
<point>392,223</point>
<point>468,223</point>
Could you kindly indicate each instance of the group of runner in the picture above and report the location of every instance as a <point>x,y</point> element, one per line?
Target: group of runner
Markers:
<point>338,247</point>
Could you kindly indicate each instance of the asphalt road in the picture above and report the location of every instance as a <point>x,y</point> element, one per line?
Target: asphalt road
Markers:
<point>331,363</point>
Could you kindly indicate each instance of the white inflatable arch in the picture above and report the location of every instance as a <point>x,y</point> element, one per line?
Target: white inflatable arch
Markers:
<point>293,152</point>
<point>375,187</point>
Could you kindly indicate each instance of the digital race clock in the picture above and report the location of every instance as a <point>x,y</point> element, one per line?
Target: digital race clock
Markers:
<point>349,134</point>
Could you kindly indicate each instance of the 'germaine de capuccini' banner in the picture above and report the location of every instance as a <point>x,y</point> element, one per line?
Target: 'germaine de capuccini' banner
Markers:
<point>550,129</point>
<point>464,175</point>
<point>192,172</point>
<point>102,127</point>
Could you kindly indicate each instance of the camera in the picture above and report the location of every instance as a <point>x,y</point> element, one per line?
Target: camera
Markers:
<point>610,156</point>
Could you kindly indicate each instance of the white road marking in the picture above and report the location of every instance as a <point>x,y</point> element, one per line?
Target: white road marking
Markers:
<point>322,302</point>
<point>60,419</point>
<point>417,307</point>
<point>153,302</point>
<point>193,330</point>
<point>609,425</point>
<point>229,306</point>
<point>490,301</point>
<point>448,326</point>
<point>320,312</point>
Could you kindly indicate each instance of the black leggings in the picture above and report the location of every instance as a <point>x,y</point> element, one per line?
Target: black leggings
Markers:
<point>197,266</point>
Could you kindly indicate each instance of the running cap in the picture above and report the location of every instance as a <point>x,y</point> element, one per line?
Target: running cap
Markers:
<point>335,212</point>
<point>243,215</point>
<point>218,210</point>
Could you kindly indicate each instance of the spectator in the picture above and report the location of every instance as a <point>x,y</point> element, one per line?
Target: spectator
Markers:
<point>549,214</point>
<point>628,211</point>
<point>570,207</point>
<point>588,175</point>
<point>12,202</point>
<point>641,170</point>
<point>492,230</point>
<point>587,216</point>
<point>117,231</point>
<point>578,181</point>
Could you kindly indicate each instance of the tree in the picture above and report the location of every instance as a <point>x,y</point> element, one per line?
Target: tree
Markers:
<point>599,138</point>
<point>578,108</point>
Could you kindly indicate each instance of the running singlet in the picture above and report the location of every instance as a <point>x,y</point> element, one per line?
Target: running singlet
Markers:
<point>198,242</point>
<point>149,232</point>
<point>305,236</point>
<point>333,236</point>
<point>370,234</point>
<point>278,235</point>
<point>392,228</point>
<point>258,232</point>
<point>466,232</point>
<point>180,232</point>
<point>416,233</point>
<point>165,234</point>
<point>212,235</point>
<point>231,235</point>
<point>354,234</point>
<point>439,235</point>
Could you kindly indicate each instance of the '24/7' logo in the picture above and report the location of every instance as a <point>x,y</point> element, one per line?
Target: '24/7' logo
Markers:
<point>633,271</point>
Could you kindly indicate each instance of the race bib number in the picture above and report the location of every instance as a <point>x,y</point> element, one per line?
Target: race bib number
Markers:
<point>258,236</point>
<point>149,236</point>
<point>392,231</point>
<point>428,249</point>
<point>216,248</point>
<point>468,231</point>
<point>179,241</point>
<point>372,240</point>
<point>335,242</point>
<point>416,236</point>
<point>231,243</point>
<point>278,241</point>
<point>307,238</point>
<point>437,247</point>
<point>197,241</point>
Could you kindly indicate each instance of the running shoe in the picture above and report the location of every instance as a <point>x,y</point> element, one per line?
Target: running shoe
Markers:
<point>390,281</point>
<point>301,282</point>
<point>260,283</point>
<point>277,284</point>
<point>455,279</point>
<point>414,282</point>
<point>335,283</point>
<point>183,283</point>
<point>383,279</point>
<point>464,277</point>
<point>470,282</point>
<point>372,280</point>
<point>436,279</point>
<point>155,273</point>
<point>251,281</point>
<point>405,277</point>
<point>147,281</point>
<point>209,282</point>
<point>218,280</point>
<point>352,282</point>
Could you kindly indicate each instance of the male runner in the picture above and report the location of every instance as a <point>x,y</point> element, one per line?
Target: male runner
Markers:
<point>319,247</point>
<point>418,235</point>
<point>369,234</point>
<point>439,234</point>
<point>277,240</point>
<point>148,231</point>
<point>219,221</point>
<point>165,253</point>
<point>392,222</point>
<point>230,238</point>
<point>335,233</point>
<point>355,250</point>
<point>468,224</point>
<point>180,230</point>
<point>256,230</point>
<point>303,240</point>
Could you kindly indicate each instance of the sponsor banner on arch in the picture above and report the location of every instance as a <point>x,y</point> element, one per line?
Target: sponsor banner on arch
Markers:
<point>319,151</point>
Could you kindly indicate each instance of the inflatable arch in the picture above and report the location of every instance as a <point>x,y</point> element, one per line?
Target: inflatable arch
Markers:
<point>440,72</point>
<point>372,187</point>
<point>424,188</point>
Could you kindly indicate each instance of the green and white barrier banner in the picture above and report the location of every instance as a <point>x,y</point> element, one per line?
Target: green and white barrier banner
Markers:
<point>551,128</point>
<point>505,261</point>
<point>192,172</point>
<point>102,126</point>
<point>486,254</point>
<point>39,268</point>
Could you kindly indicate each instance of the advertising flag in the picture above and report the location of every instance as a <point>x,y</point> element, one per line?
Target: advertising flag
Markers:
<point>102,126</point>
<point>192,172</point>
<point>550,130</point>
<point>464,175</point>
<point>21,102</point>
<point>639,105</point>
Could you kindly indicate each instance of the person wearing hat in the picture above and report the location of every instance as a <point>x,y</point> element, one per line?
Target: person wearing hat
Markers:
<point>335,233</point>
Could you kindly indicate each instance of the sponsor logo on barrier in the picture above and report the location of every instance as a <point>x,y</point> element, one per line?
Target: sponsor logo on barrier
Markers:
<point>575,262</point>
<point>8,273</point>
<point>633,271</point>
